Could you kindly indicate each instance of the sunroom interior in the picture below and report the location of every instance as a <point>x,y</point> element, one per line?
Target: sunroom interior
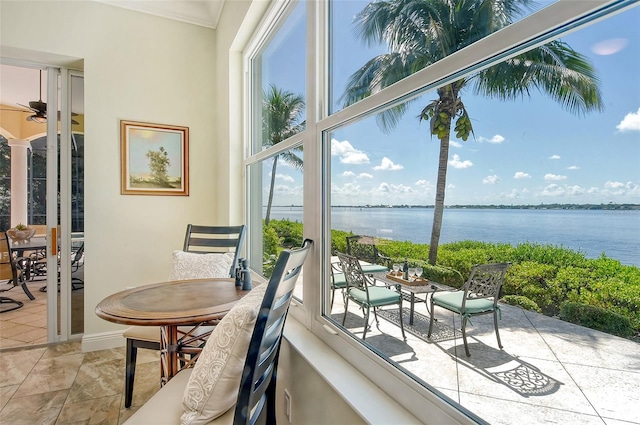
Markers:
<point>146,67</point>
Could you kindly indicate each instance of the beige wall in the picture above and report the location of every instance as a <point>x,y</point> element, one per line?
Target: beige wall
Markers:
<point>136,67</point>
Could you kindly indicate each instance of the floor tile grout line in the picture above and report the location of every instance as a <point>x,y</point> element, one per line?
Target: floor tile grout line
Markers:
<point>524,312</point>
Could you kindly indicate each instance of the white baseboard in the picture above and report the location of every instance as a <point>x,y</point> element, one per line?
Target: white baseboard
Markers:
<point>102,341</point>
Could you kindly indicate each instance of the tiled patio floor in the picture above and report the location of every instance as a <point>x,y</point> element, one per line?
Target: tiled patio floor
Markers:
<point>549,371</point>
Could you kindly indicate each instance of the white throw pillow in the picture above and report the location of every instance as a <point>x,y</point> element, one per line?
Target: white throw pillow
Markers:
<point>189,265</point>
<point>214,383</point>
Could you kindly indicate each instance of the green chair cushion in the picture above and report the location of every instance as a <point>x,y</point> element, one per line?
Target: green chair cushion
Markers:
<point>378,296</point>
<point>373,268</point>
<point>453,301</point>
<point>339,281</point>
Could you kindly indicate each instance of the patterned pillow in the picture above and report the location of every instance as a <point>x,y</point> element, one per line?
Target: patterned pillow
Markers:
<point>189,265</point>
<point>214,383</point>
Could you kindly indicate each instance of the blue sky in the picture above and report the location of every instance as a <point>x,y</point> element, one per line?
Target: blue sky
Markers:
<point>524,152</point>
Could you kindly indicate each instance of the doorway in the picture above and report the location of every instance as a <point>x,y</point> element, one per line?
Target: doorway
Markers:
<point>50,170</point>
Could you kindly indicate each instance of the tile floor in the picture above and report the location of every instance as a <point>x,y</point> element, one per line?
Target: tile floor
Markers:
<point>28,324</point>
<point>59,384</point>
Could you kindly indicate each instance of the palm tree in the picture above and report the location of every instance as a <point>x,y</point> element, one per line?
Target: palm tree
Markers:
<point>421,32</point>
<point>282,111</point>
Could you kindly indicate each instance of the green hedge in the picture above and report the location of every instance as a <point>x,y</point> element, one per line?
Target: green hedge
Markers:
<point>597,318</point>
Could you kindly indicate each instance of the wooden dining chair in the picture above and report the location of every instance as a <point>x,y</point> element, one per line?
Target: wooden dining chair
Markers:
<point>256,395</point>
<point>198,239</point>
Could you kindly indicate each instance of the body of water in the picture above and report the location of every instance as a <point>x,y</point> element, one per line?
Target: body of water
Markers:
<point>616,233</point>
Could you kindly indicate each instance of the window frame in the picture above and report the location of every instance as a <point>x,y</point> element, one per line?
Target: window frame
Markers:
<point>546,24</point>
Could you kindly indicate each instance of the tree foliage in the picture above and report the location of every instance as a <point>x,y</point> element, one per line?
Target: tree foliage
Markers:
<point>419,33</point>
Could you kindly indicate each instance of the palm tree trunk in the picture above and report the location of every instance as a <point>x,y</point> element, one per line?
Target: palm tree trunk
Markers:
<point>438,209</point>
<point>273,182</point>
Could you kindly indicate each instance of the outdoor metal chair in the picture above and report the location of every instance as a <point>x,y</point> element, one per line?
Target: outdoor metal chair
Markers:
<point>365,249</point>
<point>362,290</point>
<point>198,239</point>
<point>478,296</point>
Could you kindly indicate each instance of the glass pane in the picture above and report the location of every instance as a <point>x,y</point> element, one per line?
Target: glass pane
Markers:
<point>375,44</point>
<point>548,183</point>
<point>279,72</point>
<point>276,201</point>
<point>77,205</point>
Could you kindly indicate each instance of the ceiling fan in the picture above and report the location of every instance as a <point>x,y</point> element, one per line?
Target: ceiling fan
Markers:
<point>40,109</point>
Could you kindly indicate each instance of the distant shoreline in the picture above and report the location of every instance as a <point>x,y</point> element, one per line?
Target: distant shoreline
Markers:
<point>607,207</point>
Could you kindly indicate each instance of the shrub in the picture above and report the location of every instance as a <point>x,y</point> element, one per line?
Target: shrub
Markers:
<point>289,231</point>
<point>520,301</point>
<point>597,318</point>
<point>535,281</point>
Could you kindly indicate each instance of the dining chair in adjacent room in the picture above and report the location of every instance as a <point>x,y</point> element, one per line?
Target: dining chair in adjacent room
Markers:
<point>208,252</point>
<point>14,271</point>
<point>478,296</point>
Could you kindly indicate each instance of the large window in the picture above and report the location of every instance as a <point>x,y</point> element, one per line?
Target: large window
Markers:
<point>278,78</point>
<point>508,142</point>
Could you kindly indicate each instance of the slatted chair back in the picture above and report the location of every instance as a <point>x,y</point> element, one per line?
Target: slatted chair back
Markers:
<point>215,239</point>
<point>256,397</point>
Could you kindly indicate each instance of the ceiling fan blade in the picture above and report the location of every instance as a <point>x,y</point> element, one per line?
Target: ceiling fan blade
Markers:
<point>28,107</point>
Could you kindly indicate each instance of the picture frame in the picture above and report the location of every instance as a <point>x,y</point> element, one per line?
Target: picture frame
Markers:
<point>154,159</point>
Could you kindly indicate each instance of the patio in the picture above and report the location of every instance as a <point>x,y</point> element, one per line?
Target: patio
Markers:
<point>549,370</point>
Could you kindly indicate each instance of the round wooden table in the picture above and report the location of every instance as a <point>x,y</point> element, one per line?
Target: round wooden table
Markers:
<point>169,304</point>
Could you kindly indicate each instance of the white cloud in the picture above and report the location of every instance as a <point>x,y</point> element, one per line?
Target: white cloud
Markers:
<point>514,194</point>
<point>495,139</point>
<point>555,190</point>
<point>491,179</point>
<point>613,185</point>
<point>348,174</point>
<point>610,46</point>
<point>365,176</point>
<point>285,177</point>
<point>554,157</point>
<point>394,188</point>
<point>554,177</point>
<point>347,153</point>
<point>388,165</point>
<point>350,189</point>
<point>630,122</point>
<point>573,167</point>
<point>455,144</point>
<point>521,175</point>
<point>457,163</point>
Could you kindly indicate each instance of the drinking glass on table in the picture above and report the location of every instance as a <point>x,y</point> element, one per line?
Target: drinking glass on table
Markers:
<point>412,271</point>
<point>396,268</point>
<point>418,272</point>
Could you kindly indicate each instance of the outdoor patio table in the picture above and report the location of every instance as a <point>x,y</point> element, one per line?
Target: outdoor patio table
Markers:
<point>168,305</point>
<point>411,290</point>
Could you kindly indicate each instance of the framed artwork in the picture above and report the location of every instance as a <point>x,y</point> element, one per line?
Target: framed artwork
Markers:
<point>154,159</point>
